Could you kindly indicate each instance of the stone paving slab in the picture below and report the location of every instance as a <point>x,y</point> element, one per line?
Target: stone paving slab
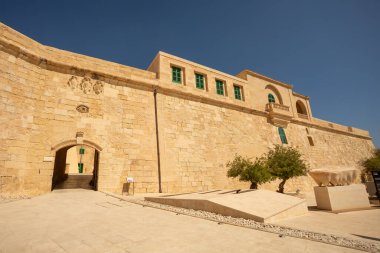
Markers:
<point>89,221</point>
<point>362,225</point>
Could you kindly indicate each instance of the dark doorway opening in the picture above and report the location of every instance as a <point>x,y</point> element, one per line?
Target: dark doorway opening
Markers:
<point>76,166</point>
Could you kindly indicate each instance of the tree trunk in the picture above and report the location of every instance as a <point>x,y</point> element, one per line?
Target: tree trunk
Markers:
<point>253,185</point>
<point>281,186</point>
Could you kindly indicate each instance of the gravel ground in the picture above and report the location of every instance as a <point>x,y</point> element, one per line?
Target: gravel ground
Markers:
<point>280,230</point>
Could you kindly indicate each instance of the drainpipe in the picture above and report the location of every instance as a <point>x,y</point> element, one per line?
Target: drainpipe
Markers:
<point>157,140</point>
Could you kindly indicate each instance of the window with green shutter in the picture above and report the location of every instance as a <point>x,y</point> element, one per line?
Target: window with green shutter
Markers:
<point>219,87</point>
<point>281,132</point>
<point>176,75</point>
<point>199,81</point>
<point>271,98</point>
<point>237,91</point>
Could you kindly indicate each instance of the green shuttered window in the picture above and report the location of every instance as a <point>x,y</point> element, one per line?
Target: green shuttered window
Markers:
<point>237,91</point>
<point>176,75</point>
<point>281,132</point>
<point>271,98</point>
<point>200,81</point>
<point>219,87</point>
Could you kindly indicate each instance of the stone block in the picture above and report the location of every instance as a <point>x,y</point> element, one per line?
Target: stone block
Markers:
<point>340,198</point>
<point>335,176</point>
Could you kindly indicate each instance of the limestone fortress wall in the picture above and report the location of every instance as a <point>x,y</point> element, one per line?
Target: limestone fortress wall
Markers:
<point>52,100</point>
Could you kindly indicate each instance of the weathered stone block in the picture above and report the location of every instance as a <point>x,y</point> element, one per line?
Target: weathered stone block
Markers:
<point>340,198</point>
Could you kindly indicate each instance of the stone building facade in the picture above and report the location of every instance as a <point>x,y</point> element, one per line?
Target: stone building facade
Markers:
<point>172,127</point>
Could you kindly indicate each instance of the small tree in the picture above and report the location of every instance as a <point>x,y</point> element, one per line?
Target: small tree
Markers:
<point>248,171</point>
<point>372,163</point>
<point>285,163</point>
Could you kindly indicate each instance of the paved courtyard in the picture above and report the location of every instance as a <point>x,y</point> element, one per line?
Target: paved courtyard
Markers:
<point>88,221</point>
<point>362,225</point>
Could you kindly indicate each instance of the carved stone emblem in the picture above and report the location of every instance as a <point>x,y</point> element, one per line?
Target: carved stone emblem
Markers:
<point>86,85</point>
<point>98,87</point>
<point>83,108</point>
<point>73,82</point>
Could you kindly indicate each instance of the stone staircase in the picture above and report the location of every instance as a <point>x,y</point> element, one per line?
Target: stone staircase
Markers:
<point>75,181</point>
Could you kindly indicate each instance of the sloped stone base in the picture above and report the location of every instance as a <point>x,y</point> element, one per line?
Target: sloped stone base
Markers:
<point>258,205</point>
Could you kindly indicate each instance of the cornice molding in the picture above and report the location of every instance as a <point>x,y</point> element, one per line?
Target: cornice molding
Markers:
<point>250,72</point>
<point>301,96</point>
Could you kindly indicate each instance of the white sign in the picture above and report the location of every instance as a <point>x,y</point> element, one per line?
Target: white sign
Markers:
<point>129,179</point>
<point>48,158</point>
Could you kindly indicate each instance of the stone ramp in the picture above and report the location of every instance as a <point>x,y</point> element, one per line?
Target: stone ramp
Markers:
<point>258,205</point>
<point>75,181</point>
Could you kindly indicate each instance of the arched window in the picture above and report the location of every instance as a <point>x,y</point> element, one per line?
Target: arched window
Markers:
<point>301,109</point>
<point>271,98</point>
<point>275,93</point>
<point>281,132</point>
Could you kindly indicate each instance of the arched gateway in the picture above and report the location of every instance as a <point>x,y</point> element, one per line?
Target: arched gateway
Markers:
<point>76,165</point>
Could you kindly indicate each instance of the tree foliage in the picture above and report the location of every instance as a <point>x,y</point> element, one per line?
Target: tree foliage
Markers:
<point>280,162</point>
<point>372,163</point>
<point>254,172</point>
<point>284,163</point>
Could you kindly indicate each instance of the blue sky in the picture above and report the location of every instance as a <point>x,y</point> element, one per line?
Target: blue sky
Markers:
<point>328,49</point>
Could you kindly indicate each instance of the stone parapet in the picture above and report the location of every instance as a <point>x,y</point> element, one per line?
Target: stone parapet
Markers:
<point>340,128</point>
<point>66,62</point>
